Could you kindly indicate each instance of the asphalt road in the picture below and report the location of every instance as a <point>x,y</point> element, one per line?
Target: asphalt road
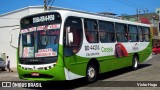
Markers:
<point>147,77</point>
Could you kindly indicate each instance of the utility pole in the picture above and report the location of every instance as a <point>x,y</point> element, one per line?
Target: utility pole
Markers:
<point>140,11</point>
<point>45,5</point>
<point>158,12</point>
<point>138,15</point>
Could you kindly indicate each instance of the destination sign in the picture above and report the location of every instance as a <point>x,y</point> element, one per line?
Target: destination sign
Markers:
<point>43,18</point>
<point>39,28</point>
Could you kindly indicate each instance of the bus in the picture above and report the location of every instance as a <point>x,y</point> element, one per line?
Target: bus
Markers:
<point>68,44</point>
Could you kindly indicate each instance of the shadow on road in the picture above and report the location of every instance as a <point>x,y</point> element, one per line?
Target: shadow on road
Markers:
<point>120,72</point>
<point>82,82</point>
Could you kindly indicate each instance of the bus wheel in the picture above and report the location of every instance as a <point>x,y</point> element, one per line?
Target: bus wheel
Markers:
<point>91,73</point>
<point>135,62</point>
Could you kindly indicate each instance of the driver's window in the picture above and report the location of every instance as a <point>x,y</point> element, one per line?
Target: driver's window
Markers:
<point>75,27</point>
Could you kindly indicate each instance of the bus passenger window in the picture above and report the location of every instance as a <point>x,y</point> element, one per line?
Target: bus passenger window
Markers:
<point>140,34</point>
<point>121,32</point>
<point>146,34</point>
<point>89,36</point>
<point>91,30</point>
<point>133,33</point>
<point>107,32</point>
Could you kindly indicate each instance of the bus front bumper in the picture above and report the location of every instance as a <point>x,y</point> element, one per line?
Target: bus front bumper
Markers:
<point>53,74</point>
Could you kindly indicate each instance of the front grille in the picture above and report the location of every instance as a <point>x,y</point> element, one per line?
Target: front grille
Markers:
<point>40,76</point>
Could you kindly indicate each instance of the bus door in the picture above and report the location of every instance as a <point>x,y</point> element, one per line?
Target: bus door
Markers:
<point>73,37</point>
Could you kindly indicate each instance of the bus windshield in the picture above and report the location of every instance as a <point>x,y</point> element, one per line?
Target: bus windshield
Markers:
<point>39,36</point>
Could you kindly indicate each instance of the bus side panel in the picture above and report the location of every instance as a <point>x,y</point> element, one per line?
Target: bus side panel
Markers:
<point>110,63</point>
<point>76,64</point>
<point>143,55</point>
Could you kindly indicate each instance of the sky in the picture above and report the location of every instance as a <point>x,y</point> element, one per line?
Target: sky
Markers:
<point>118,7</point>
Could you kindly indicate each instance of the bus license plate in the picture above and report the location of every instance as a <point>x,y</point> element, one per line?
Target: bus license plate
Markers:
<point>35,74</point>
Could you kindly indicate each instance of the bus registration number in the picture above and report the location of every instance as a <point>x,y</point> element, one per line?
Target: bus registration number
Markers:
<point>35,74</point>
<point>91,47</point>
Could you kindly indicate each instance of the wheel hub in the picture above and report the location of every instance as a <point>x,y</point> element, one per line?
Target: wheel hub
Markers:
<point>91,72</point>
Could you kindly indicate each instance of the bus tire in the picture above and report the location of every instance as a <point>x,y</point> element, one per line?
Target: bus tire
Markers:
<point>135,62</point>
<point>3,69</point>
<point>91,73</point>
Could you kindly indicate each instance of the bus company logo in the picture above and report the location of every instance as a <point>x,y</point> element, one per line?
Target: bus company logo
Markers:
<point>135,47</point>
<point>6,84</point>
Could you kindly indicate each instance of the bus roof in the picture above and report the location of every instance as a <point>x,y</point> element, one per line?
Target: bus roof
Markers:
<point>90,15</point>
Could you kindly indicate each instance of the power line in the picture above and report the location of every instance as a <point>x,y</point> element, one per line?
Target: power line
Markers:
<point>124,4</point>
<point>139,6</point>
<point>52,2</point>
<point>47,3</point>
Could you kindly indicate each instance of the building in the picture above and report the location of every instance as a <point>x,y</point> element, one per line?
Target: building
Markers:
<point>158,13</point>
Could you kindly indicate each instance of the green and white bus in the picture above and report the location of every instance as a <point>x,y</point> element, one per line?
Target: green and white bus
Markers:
<point>68,44</point>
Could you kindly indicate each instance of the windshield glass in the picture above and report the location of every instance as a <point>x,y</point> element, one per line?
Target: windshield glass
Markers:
<point>39,36</point>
